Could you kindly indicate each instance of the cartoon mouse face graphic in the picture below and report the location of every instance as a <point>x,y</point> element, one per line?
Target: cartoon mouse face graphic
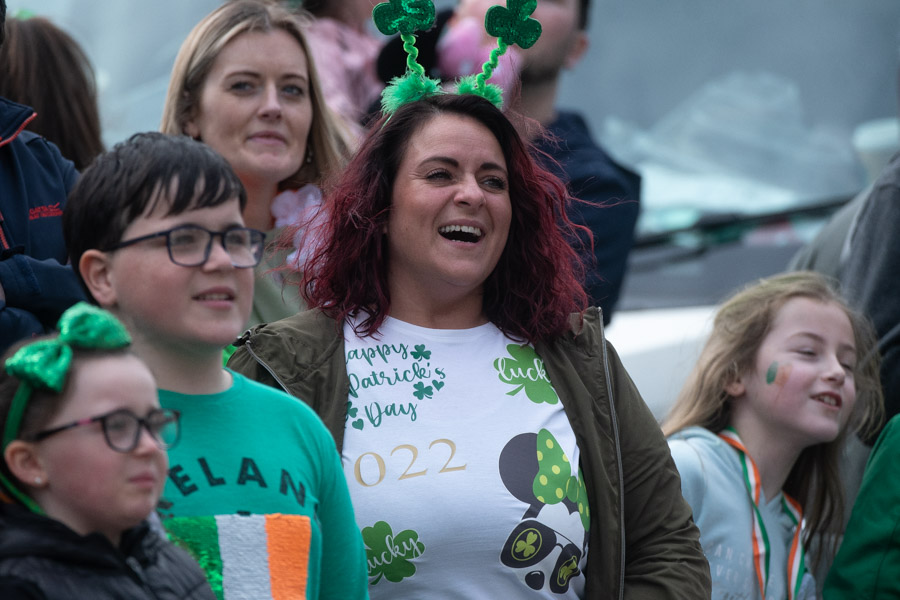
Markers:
<point>547,545</point>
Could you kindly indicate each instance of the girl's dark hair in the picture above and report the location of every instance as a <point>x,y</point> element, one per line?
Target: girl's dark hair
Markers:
<point>45,68</point>
<point>536,284</point>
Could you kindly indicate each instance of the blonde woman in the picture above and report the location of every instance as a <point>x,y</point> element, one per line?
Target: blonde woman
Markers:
<point>245,84</point>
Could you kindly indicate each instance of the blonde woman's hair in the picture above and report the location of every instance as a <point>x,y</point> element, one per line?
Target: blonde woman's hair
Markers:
<point>329,139</point>
<point>739,329</point>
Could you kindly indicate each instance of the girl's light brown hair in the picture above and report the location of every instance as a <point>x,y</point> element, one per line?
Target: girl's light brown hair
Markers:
<point>739,329</point>
<point>327,146</point>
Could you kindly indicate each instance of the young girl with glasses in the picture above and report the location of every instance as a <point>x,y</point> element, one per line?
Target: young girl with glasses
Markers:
<point>788,371</point>
<point>84,464</point>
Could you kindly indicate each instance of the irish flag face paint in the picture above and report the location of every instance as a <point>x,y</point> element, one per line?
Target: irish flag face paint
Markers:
<point>778,374</point>
<point>771,373</point>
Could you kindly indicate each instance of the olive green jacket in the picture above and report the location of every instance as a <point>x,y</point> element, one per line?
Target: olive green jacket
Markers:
<point>643,544</point>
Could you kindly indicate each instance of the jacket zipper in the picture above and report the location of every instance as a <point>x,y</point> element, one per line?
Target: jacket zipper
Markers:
<point>135,567</point>
<point>615,428</point>
<point>249,347</point>
<point>4,243</point>
<point>21,128</point>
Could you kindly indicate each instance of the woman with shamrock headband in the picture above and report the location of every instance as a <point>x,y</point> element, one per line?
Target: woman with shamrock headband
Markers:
<point>493,443</point>
<point>84,464</point>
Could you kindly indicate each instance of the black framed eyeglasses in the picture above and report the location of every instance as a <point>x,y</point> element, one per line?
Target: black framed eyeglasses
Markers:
<point>190,245</point>
<point>122,428</point>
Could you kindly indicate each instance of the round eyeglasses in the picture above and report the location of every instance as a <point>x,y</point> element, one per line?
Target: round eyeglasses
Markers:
<point>190,245</point>
<point>122,428</point>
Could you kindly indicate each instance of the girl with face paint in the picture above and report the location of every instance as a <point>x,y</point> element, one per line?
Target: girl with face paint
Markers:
<point>756,431</point>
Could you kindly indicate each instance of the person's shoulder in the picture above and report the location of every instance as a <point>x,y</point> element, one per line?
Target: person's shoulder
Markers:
<point>694,445</point>
<point>13,118</point>
<point>570,123</point>
<point>305,327</point>
<point>889,439</point>
<point>696,440</point>
<point>306,339</point>
<point>883,196</point>
<point>585,332</point>
<point>890,174</point>
<point>692,450</point>
<point>277,402</point>
<point>572,143</point>
<point>38,158</point>
<point>245,387</point>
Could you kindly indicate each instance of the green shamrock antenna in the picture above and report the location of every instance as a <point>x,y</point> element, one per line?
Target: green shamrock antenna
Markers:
<point>406,17</point>
<point>511,25</point>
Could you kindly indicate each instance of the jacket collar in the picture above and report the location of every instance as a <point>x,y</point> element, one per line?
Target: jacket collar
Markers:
<point>14,118</point>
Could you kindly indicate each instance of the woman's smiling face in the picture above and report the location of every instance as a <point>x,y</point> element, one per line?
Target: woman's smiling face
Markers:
<point>255,107</point>
<point>450,212</point>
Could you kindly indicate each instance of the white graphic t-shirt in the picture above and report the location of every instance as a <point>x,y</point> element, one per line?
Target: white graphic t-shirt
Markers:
<point>462,467</point>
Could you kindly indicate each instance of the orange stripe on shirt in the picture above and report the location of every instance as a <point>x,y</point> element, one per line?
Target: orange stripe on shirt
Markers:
<point>289,538</point>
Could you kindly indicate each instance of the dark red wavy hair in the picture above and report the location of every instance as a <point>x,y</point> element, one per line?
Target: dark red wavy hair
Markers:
<point>536,284</point>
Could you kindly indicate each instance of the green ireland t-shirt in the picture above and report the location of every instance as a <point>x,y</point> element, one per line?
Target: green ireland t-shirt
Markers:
<point>256,492</point>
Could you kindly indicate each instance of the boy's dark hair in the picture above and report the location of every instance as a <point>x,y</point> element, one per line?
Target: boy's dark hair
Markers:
<point>2,20</point>
<point>133,178</point>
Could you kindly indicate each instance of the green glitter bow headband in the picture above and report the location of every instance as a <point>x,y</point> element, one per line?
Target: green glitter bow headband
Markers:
<point>511,25</point>
<point>45,364</point>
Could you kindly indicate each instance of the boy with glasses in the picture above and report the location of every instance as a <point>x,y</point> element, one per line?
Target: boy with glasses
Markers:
<point>255,486</point>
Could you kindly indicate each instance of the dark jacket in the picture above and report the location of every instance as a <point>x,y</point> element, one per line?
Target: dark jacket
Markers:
<point>34,182</point>
<point>643,542</point>
<point>611,195</point>
<point>871,270</point>
<point>41,558</point>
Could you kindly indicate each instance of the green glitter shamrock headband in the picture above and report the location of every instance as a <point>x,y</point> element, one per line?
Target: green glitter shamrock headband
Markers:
<point>45,365</point>
<point>511,25</point>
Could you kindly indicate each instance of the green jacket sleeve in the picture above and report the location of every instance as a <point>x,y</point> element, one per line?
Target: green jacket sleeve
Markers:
<point>867,566</point>
<point>663,556</point>
<point>643,541</point>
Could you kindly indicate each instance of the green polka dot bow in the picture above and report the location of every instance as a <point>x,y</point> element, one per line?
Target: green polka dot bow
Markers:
<point>511,25</point>
<point>45,364</point>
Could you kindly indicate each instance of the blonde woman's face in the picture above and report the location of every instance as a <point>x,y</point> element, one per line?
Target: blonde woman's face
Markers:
<point>255,107</point>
